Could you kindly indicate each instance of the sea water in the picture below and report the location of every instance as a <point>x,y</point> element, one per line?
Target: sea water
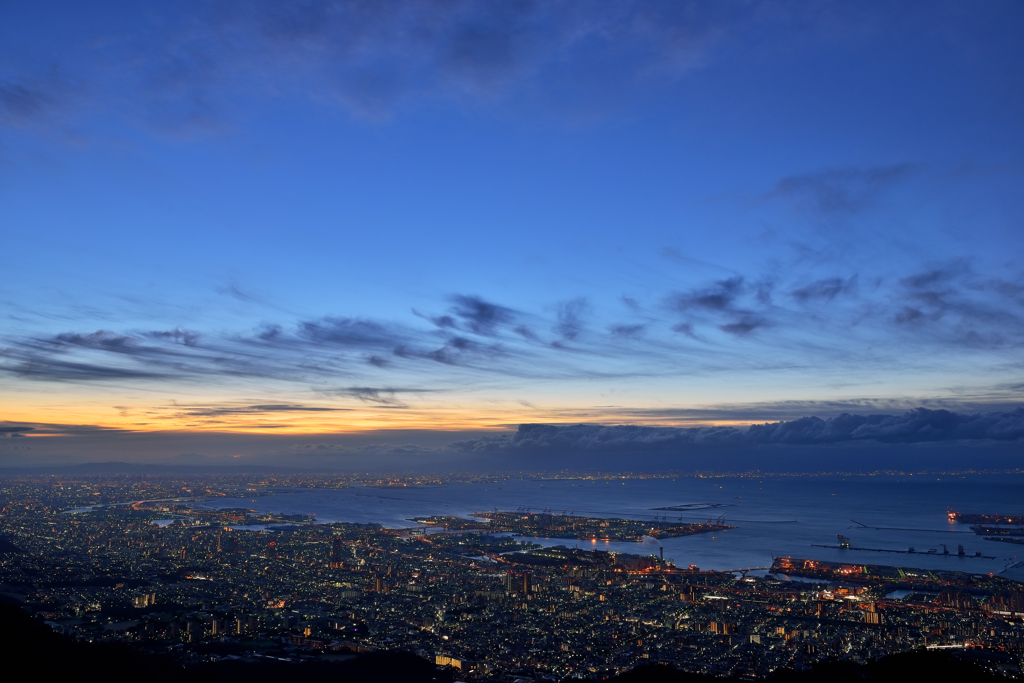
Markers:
<point>773,516</point>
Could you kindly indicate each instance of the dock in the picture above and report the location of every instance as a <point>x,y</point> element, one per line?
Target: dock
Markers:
<point>844,544</point>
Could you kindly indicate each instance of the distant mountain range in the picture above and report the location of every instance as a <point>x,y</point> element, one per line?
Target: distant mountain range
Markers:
<point>115,467</point>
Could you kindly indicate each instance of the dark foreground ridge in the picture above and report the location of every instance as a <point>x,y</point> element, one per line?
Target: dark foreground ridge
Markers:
<point>52,656</point>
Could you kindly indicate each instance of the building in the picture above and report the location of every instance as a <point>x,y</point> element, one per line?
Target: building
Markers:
<point>336,550</point>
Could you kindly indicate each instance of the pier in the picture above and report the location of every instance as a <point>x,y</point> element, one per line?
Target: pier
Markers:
<point>844,544</point>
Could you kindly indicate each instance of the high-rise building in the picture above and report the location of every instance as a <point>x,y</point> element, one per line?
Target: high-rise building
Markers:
<point>336,549</point>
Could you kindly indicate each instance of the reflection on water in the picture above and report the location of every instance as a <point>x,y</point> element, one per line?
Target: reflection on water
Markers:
<point>774,516</point>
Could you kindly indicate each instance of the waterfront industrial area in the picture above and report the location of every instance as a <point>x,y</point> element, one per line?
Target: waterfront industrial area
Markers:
<point>150,561</point>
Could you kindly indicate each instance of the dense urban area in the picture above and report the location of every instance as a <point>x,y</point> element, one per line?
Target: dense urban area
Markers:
<point>152,561</point>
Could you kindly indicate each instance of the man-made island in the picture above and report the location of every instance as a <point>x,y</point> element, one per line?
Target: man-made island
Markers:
<point>550,525</point>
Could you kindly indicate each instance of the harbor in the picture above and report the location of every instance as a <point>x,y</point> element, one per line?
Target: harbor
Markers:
<point>844,544</point>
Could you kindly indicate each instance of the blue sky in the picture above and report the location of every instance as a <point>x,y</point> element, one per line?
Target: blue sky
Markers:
<point>334,217</point>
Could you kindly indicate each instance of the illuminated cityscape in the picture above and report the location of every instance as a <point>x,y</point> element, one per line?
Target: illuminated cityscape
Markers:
<point>517,341</point>
<point>152,561</point>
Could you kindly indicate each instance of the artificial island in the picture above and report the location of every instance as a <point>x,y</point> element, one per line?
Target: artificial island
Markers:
<point>547,524</point>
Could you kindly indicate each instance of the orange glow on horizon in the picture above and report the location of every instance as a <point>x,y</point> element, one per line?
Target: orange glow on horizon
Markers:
<point>315,420</point>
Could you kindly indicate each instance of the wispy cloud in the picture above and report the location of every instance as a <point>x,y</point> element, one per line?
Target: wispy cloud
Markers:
<point>743,326</point>
<point>964,307</point>
<point>382,396</point>
<point>626,331</point>
<point>257,409</point>
<point>846,190</point>
<point>718,297</point>
<point>33,97</point>
<point>571,316</point>
<point>471,339</point>
<point>373,59</point>
<point>481,317</point>
<point>825,289</point>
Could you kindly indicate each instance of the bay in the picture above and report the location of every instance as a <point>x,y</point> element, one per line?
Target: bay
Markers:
<point>773,516</point>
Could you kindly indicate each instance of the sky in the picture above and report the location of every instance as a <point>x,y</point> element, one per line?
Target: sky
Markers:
<point>259,229</point>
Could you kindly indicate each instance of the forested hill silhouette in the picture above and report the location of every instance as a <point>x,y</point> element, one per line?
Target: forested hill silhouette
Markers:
<point>39,652</point>
<point>42,654</point>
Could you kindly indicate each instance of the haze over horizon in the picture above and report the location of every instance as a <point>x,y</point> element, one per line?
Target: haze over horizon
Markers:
<point>389,234</point>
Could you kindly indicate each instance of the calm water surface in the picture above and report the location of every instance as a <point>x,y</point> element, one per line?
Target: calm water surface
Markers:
<point>773,515</point>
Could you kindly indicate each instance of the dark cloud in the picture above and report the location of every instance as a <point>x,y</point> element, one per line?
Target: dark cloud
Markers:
<point>525,332</point>
<point>350,332</point>
<point>785,411</point>
<point>939,277</point>
<point>270,333</point>
<point>718,297</point>
<point>482,317</point>
<point>183,70</point>
<point>957,306</point>
<point>673,254</point>
<point>685,328</point>
<point>488,46</point>
<point>841,190</point>
<point>256,409</point>
<point>14,432</point>
<point>110,356</point>
<point>186,337</point>
<point>49,429</point>
<point>947,306</point>
<point>317,351</point>
<point>743,326</point>
<point>455,351</point>
<point>910,315</point>
<point>372,57</point>
<point>101,339</point>
<point>19,103</point>
<point>626,331</point>
<point>56,370</point>
<point>916,426</point>
<point>570,318</point>
<point>824,290</point>
<point>385,396</point>
<point>236,291</point>
<point>31,99</point>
